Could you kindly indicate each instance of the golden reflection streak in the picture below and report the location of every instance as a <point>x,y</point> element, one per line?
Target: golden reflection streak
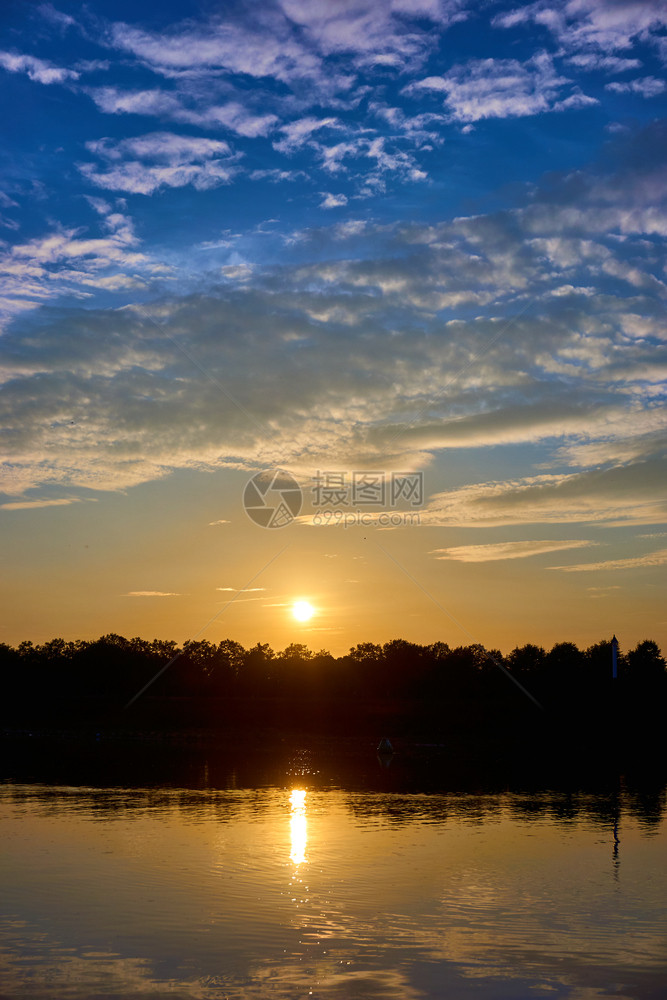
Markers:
<point>298,826</point>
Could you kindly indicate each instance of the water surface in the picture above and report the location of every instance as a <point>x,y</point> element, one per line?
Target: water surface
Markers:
<point>295,888</point>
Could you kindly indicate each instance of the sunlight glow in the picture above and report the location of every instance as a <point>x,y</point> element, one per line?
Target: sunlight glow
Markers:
<point>298,826</point>
<point>302,611</point>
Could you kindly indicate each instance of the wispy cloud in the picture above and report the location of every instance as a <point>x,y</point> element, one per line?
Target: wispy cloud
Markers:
<point>39,70</point>
<point>647,86</point>
<point>601,592</point>
<point>291,41</point>
<point>151,593</point>
<point>630,494</point>
<point>296,133</point>
<point>265,48</point>
<point>590,27</point>
<point>186,108</point>
<point>147,163</point>
<point>57,17</point>
<point>65,261</point>
<point>605,63</point>
<point>502,88</point>
<point>246,590</point>
<point>114,100</point>
<point>507,550</point>
<point>658,558</point>
<point>32,504</point>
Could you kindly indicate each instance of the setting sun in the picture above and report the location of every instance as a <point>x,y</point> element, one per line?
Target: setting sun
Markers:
<point>302,611</point>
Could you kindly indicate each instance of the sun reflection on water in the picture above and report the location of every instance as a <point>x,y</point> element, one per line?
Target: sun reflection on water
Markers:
<point>298,826</point>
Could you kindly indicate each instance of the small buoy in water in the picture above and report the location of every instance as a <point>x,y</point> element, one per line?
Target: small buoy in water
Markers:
<point>384,746</point>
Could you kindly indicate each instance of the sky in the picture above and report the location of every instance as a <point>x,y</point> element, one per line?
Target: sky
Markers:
<point>400,263</point>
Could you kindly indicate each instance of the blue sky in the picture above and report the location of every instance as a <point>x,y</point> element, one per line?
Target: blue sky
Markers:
<point>417,234</point>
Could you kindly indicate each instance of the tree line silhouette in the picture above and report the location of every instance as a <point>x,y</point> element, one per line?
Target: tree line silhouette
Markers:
<point>111,670</point>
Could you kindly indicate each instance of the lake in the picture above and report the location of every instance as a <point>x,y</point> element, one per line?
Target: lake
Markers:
<point>321,871</point>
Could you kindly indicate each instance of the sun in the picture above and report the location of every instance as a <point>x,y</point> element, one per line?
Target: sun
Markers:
<point>303,611</point>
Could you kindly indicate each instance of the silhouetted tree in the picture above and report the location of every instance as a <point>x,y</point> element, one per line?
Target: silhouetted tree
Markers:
<point>404,679</point>
<point>403,668</point>
<point>646,669</point>
<point>463,667</point>
<point>366,652</point>
<point>364,665</point>
<point>232,654</point>
<point>562,670</point>
<point>526,661</point>
<point>257,672</point>
<point>290,674</point>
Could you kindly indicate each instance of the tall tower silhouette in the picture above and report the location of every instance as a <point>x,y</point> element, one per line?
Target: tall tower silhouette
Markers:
<point>614,658</point>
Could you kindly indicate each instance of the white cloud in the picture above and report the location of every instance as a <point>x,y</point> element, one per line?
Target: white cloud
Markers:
<point>386,33</point>
<point>575,101</point>
<point>7,202</point>
<point>589,26</point>
<point>57,17</point>
<point>265,47</point>
<point>65,245</point>
<point>232,115</point>
<point>163,159</point>
<point>101,206</point>
<point>297,133</point>
<point>293,42</point>
<point>647,86</point>
<point>351,158</point>
<point>349,228</point>
<point>608,64</point>
<point>438,84</point>
<point>333,200</point>
<point>67,262</point>
<point>319,55</point>
<point>237,272</point>
<point>501,88</point>
<point>506,550</point>
<point>38,70</point>
<point>418,128</point>
<point>276,176</point>
<point>239,119</point>
<point>114,101</point>
<point>164,147</point>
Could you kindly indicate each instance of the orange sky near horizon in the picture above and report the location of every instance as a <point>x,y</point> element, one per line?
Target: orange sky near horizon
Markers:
<point>157,565</point>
